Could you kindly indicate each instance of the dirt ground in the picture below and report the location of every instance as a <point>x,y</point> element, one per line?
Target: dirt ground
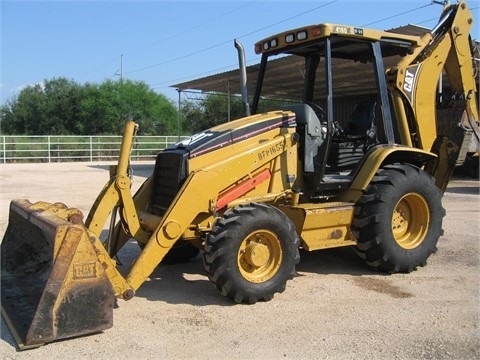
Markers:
<point>335,308</point>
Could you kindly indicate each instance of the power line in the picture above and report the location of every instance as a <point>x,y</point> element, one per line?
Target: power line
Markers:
<point>167,38</point>
<point>266,27</point>
<point>99,67</point>
<point>288,19</point>
<point>192,28</point>
<point>177,58</point>
<point>397,15</point>
<point>229,40</point>
<point>245,35</point>
<point>436,18</point>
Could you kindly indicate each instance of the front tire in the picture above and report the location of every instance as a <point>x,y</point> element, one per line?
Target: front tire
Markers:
<point>398,220</point>
<point>251,252</point>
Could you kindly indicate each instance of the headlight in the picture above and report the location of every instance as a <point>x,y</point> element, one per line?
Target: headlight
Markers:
<point>289,38</point>
<point>302,35</point>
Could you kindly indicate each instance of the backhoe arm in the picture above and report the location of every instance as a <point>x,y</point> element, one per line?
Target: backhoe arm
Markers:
<point>413,87</point>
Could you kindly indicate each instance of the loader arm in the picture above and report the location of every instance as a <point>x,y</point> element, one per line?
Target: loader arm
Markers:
<point>116,193</point>
<point>196,197</point>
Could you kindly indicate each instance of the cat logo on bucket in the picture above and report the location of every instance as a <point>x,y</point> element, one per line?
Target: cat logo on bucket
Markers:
<point>84,270</point>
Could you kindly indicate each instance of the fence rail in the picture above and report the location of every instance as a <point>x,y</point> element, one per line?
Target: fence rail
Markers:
<point>50,148</point>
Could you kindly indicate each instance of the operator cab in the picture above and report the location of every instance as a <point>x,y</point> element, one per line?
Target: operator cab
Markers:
<point>338,93</point>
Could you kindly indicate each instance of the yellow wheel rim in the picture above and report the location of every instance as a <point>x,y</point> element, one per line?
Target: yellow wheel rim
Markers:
<point>259,256</point>
<point>410,221</point>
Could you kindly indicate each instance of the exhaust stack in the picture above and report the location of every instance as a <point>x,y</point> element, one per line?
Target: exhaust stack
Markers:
<point>243,77</point>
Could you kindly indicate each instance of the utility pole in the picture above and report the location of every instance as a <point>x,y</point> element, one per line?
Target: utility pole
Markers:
<point>121,67</point>
<point>179,107</point>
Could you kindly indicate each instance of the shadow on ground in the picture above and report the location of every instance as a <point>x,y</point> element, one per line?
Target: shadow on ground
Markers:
<point>473,190</point>
<point>188,283</point>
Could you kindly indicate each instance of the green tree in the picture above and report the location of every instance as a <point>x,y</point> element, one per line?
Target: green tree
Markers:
<point>48,108</point>
<point>105,107</point>
<point>193,116</point>
<point>61,106</point>
<point>154,112</point>
<point>213,110</point>
<point>62,99</point>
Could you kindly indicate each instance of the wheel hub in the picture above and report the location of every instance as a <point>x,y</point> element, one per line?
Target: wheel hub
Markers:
<point>400,218</point>
<point>257,254</point>
<point>410,220</point>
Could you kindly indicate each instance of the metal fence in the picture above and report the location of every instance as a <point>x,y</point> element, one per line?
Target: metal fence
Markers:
<point>50,148</point>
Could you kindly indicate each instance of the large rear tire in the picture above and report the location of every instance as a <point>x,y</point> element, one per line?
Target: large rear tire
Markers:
<point>398,220</point>
<point>251,252</point>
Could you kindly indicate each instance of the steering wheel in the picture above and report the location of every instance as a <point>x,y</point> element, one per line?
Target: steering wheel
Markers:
<point>322,116</point>
<point>318,110</point>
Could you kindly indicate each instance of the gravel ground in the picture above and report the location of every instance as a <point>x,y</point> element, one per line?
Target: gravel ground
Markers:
<point>335,308</point>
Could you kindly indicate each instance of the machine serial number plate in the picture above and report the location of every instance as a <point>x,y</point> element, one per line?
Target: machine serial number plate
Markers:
<point>347,30</point>
<point>341,29</point>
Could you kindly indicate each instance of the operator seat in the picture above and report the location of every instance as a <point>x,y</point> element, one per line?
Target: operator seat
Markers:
<point>351,144</point>
<point>311,132</point>
<point>361,121</point>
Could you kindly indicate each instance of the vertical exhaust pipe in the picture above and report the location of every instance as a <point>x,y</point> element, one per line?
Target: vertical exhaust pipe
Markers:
<point>243,77</point>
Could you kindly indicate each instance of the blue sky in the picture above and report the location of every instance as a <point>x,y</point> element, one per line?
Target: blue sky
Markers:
<point>167,42</point>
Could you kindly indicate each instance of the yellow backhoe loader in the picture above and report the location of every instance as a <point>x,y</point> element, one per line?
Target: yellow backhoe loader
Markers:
<point>250,193</point>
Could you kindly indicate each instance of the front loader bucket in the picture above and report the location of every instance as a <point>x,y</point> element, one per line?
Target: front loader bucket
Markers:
<point>52,284</point>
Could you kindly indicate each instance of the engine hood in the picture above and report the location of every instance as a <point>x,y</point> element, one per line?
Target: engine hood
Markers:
<point>234,131</point>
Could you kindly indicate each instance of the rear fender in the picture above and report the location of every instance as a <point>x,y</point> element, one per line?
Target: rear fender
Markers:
<point>376,158</point>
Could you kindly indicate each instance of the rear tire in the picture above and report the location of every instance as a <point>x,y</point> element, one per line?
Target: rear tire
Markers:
<point>398,220</point>
<point>251,253</point>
